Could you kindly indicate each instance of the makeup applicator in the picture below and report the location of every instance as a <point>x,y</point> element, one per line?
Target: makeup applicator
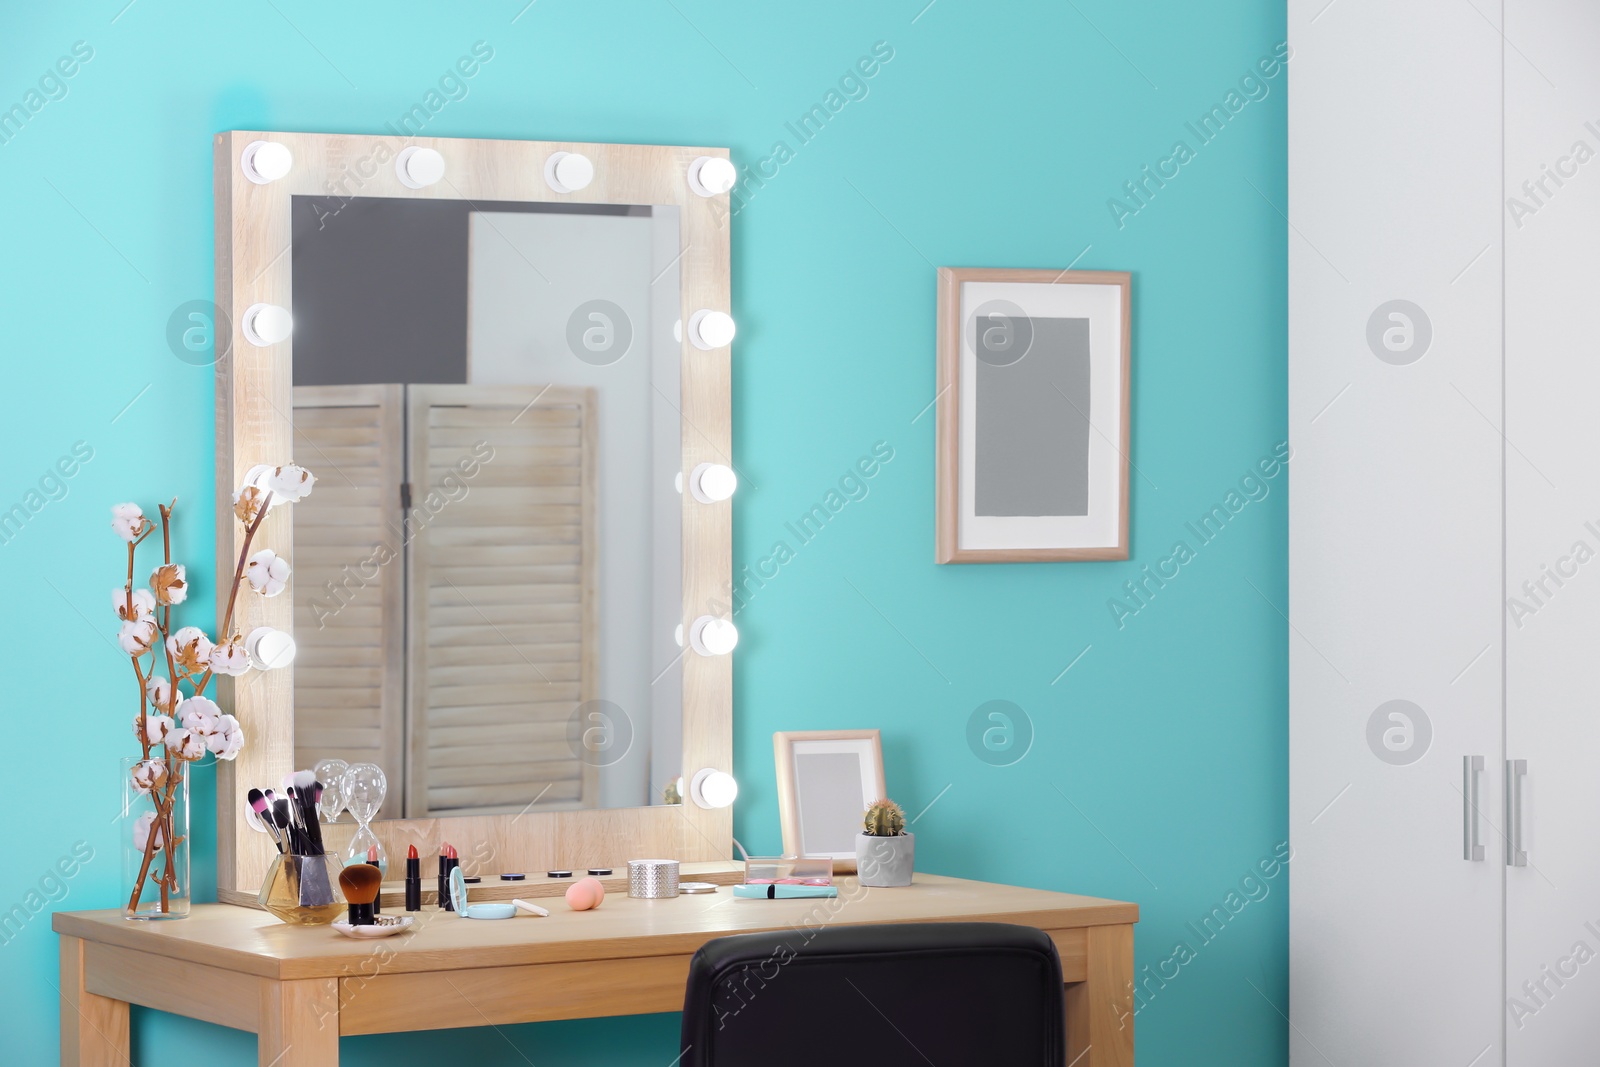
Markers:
<point>361,882</point>
<point>280,816</point>
<point>302,792</point>
<point>258,804</point>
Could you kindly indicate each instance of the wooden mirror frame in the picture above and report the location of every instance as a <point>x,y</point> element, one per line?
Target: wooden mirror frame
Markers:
<point>254,425</point>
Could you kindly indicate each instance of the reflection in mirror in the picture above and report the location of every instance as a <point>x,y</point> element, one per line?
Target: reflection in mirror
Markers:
<point>489,576</point>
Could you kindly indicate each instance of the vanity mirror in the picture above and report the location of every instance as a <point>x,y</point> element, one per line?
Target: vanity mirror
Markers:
<point>508,364</point>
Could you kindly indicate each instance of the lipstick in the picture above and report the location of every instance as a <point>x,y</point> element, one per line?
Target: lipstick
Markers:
<point>413,880</point>
<point>377,901</point>
<point>449,860</point>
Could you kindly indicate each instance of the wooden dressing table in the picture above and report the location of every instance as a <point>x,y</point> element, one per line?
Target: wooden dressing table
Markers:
<point>301,988</point>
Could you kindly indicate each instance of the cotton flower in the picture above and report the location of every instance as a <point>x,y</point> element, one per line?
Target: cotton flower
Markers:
<point>148,775</point>
<point>141,604</point>
<point>206,728</point>
<point>141,832</point>
<point>186,744</point>
<point>128,521</point>
<point>156,728</point>
<point>168,583</point>
<point>288,483</point>
<point>191,649</point>
<point>227,739</point>
<point>268,572</point>
<point>137,636</point>
<point>159,692</point>
<point>247,503</point>
<point>230,659</point>
<point>199,714</point>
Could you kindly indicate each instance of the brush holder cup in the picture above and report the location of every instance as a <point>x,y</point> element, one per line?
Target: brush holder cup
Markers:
<point>303,890</point>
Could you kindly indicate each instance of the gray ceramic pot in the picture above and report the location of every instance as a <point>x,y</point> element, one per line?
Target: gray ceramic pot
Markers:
<point>885,861</point>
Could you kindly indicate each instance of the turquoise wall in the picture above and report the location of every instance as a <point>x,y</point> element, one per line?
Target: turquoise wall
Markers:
<point>997,135</point>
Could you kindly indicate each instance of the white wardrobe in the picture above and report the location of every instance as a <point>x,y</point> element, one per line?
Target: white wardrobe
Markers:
<point>1444,541</point>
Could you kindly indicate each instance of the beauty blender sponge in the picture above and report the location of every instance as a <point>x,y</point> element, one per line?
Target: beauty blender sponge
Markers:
<point>585,893</point>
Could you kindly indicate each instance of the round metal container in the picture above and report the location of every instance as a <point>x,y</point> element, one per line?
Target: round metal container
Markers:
<point>652,879</point>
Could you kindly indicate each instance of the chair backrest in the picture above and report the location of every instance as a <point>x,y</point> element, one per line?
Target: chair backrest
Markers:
<point>914,993</point>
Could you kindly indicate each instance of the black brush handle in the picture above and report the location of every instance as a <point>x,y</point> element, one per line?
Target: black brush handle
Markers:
<point>308,819</point>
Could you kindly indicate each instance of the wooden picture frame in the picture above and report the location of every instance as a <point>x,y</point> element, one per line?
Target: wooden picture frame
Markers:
<point>800,809</point>
<point>1033,399</point>
<point>254,401</point>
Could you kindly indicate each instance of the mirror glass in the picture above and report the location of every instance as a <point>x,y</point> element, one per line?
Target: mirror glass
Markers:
<point>488,576</point>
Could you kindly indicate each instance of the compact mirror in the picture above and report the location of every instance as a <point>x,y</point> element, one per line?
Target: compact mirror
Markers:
<point>488,576</point>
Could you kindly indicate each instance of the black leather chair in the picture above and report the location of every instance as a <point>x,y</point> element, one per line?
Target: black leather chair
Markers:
<point>951,994</point>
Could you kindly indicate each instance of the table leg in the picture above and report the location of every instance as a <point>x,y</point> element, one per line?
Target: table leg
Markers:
<point>94,1029</point>
<point>299,1023</point>
<point>1100,1010</point>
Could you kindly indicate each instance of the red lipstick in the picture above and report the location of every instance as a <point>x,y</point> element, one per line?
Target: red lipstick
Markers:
<point>449,860</point>
<point>413,880</point>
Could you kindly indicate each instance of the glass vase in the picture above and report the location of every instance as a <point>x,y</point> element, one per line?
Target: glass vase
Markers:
<point>154,830</point>
<point>303,890</point>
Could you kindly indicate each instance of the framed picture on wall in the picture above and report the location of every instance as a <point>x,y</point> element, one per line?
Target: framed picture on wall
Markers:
<point>826,781</point>
<point>1032,415</point>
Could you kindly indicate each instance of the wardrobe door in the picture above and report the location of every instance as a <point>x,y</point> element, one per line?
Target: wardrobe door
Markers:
<point>502,631</point>
<point>1552,188</point>
<point>349,605</point>
<point>1395,543</point>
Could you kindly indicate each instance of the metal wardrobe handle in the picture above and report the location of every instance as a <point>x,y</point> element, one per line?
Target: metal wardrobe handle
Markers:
<point>1471,847</point>
<point>1516,770</point>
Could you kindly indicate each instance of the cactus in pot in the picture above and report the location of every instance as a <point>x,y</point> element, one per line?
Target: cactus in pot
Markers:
<point>884,818</point>
<point>884,851</point>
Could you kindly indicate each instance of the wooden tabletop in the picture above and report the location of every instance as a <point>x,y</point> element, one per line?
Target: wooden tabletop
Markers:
<point>253,942</point>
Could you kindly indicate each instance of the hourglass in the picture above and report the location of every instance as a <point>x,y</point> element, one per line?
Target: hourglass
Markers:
<point>364,788</point>
<point>330,772</point>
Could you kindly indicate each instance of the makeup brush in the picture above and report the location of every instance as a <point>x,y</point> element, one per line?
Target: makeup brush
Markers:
<point>272,808</point>
<point>303,783</point>
<point>280,816</point>
<point>295,816</point>
<point>361,882</point>
<point>258,804</point>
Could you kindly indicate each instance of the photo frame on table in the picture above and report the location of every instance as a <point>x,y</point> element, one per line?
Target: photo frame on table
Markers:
<point>1033,415</point>
<point>826,780</point>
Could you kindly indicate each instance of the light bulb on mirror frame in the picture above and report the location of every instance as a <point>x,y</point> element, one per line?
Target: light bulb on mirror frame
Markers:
<point>269,648</point>
<point>709,329</point>
<point>266,324</point>
<point>264,162</point>
<point>712,175</point>
<point>711,636</point>
<point>568,172</point>
<point>712,482</point>
<point>712,788</point>
<point>418,168</point>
